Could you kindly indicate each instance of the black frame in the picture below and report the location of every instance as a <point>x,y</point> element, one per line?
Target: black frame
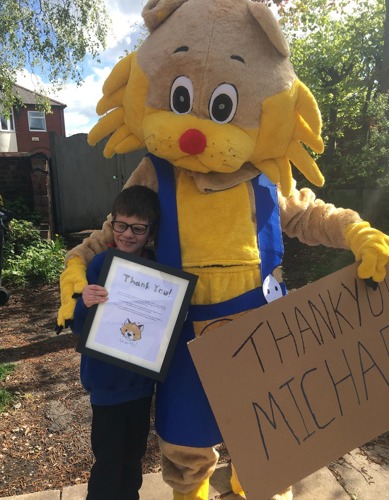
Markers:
<point>185,283</point>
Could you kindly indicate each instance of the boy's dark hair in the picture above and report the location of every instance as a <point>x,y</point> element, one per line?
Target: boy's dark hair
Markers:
<point>140,201</point>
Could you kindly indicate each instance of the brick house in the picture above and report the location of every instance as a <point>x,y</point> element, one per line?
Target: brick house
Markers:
<point>25,154</point>
<point>28,130</point>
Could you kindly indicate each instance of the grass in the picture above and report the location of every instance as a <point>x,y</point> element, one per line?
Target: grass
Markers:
<point>6,397</point>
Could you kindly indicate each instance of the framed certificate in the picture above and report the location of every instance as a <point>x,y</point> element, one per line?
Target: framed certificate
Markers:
<point>138,327</point>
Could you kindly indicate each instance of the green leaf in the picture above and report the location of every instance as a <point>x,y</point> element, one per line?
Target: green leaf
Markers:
<point>51,40</point>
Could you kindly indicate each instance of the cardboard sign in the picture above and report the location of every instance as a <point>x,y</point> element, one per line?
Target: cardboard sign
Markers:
<point>301,381</point>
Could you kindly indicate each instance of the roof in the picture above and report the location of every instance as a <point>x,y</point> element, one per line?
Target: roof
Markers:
<point>29,97</point>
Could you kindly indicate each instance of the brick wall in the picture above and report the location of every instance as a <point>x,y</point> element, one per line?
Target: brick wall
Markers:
<point>15,179</point>
<point>28,178</point>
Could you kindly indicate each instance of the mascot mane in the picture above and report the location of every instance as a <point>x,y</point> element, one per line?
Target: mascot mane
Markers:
<point>212,108</point>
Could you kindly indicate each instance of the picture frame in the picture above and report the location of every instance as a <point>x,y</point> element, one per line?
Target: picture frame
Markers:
<point>138,327</point>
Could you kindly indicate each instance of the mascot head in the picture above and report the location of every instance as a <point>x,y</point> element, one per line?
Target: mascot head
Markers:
<point>211,89</point>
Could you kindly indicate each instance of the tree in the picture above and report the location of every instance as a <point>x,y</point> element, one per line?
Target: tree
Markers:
<point>337,50</point>
<point>49,37</point>
<point>280,4</point>
<point>384,76</point>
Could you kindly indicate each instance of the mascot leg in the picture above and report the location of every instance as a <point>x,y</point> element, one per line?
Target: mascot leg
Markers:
<point>187,470</point>
<point>238,490</point>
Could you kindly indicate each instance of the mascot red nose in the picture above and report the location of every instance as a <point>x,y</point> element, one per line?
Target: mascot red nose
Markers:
<point>193,142</point>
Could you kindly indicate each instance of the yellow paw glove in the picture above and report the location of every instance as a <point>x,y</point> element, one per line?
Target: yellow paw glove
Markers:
<point>72,281</point>
<point>371,247</point>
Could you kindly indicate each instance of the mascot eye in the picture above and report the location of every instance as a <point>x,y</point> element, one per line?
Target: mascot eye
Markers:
<point>181,95</point>
<point>223,103</point>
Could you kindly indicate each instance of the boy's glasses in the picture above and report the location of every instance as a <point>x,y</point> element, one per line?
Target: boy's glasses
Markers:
<point>121,227</point>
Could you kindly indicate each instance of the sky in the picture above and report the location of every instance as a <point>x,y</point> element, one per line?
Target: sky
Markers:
<point>80,113</point>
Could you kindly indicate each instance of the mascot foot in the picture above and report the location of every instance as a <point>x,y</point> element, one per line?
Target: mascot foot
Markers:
<point>235,484</point>
<point>285,495</point>
<point>200,493</point>
<point>238,490</point>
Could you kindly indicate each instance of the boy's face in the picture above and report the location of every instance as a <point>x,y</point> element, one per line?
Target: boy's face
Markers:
<point>128,241</point>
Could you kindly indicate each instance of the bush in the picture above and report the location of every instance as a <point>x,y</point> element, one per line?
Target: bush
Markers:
<point>28,259</point>
<point>18,209</point>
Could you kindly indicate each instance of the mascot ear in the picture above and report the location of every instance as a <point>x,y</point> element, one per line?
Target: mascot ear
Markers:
<point>155,12</point>
<point>269,24</point>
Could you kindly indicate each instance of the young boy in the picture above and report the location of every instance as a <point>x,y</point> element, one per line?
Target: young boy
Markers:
<point>120,399</point>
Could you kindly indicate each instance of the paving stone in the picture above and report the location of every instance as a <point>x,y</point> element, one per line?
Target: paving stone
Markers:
<point>365,473</point>
<point>320,485</point>
<point>362,474</point>
<point>40,495</point>
<point>76,492</point>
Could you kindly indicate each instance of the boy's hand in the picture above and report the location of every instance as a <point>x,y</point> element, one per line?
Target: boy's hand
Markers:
<point>94,294</point>
<point>371,247</point>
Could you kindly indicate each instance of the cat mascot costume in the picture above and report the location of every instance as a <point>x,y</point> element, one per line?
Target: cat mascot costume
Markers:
<point>212,95</point>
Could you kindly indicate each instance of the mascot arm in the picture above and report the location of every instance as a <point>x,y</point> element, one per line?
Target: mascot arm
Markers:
<point>73,278</point>
<point>314,222</point>
<point>143,175</point>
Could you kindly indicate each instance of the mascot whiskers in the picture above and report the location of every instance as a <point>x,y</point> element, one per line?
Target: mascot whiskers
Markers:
<point>213,96</point>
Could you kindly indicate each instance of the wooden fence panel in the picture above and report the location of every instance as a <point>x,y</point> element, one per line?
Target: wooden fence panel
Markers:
<point>85,183</point>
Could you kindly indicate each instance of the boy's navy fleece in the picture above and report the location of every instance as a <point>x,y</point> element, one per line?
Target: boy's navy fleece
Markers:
<point>106,383</point>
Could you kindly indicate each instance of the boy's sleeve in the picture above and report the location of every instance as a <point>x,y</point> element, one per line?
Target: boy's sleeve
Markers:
<point>80,312</point>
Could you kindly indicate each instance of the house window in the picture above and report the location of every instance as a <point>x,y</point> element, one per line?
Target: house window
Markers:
<point>37,121</point>
<point>7,124</point>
